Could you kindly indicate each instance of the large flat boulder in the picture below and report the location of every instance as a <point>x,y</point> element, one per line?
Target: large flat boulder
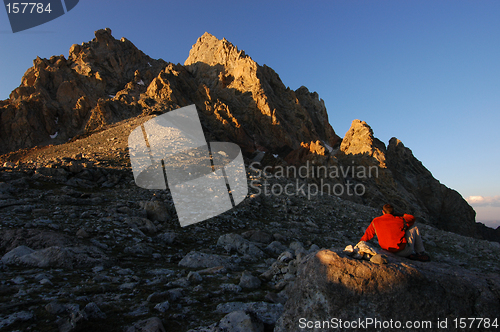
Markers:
<point>332,289</point>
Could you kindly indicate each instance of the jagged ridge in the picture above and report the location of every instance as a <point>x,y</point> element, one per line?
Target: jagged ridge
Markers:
<point>108,80</point>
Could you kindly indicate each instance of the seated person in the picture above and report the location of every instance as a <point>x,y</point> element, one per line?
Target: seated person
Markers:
<point>397,234</point>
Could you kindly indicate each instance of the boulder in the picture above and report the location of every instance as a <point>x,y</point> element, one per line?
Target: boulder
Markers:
<point>268,313</point>
<point>237,243</point>
<point>71,257</point>
<point>156,211</point>
<point>32,238</point>
<point>240,321</point>
<point>330,285</point>
<point>258,236</point>
<point>153,324</point>
<point>248,281</point>
<point>20,316</point>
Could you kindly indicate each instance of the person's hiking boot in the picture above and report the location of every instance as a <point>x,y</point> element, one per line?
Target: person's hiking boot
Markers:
<point>421,257</point>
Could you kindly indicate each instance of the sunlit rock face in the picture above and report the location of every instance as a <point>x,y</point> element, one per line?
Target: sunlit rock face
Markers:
<point>98,84</point>
<point>239,93</point>
<point>331,285</point>
<point>359,141</point>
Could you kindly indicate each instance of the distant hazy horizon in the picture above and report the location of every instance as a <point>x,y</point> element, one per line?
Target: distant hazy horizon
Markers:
<point>490,223</point>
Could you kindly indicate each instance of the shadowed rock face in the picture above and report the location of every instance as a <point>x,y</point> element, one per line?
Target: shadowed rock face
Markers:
<point>449,210</point>
<point>331,285</point>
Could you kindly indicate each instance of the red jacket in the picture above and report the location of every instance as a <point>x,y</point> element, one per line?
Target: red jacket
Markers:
<point>389,231</point>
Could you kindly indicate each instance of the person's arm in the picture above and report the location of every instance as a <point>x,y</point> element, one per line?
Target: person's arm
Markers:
<point>410,220</point>
<point>369,233</point>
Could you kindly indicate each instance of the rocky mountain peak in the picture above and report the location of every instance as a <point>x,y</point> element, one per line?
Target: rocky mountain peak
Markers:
<point>211,50</point>
<point>359,140</point>
<point>61,98</point>
<point>103,36</point>
<point>398,153</point>
<point>110,61</point>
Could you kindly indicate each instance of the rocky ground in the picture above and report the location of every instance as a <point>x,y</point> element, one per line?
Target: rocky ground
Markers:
<point>85,249</point>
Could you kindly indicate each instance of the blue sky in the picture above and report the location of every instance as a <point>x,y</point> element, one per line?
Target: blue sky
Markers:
<point>426,72</point>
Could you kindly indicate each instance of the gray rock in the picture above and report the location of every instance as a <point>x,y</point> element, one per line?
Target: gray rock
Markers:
<point>276,298</point>
<point>167,238</point>
<point>162,307</point>
<point>140,249</point>
<point>240,321</point>
<point>194,277</point>
<point>99,244</point>
<point>196,259</point>
<point>82,233</point>
<point>93,311</point>
<point>275,248</point>
<point>46,282</point>
<point>158,297</point>
<point>72,322</point>
<point>236,242</point>
<point>156,210</point>
<point>278,267</point>
<point>143,224</point>
<point>162,272</point>
<point>83,256</point>
<point>41,276</point>
<point>248,281</point>
<point>153,324</point>
<point>18,280</point>
<point>174,294</point>
<point>313,248</point>
<point>181,283</point>
<point>14,257</point>
<point>55,308</point>
<point>285,257</point>
<point>296,245</point>
<point>266,312</point>
<point>258,236</point>
<point>228,307</point>
<point>20,316</point>
<point>230,288</point>
<point>128,285</point>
